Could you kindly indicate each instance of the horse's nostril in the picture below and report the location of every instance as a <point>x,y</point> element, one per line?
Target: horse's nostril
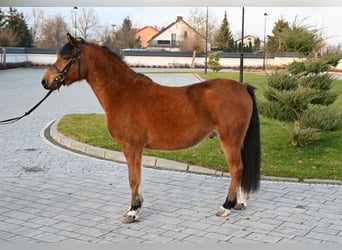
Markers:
<point>45,83</point>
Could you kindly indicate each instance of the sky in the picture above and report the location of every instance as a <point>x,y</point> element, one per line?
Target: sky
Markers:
<point>326,19</point>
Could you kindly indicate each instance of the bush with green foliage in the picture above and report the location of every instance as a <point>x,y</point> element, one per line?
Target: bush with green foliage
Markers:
<point>214,61</point>
<point>287,98</point>
<point>314,65</point>
<point>322,118</point>
<point>302,95</point>
<point>301,137</point>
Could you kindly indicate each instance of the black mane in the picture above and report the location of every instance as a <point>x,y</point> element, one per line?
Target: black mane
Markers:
<point>112,52</point>
<point>67,49</point>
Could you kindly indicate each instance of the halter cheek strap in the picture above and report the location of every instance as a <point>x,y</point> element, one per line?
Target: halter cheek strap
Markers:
<point>60,73</point>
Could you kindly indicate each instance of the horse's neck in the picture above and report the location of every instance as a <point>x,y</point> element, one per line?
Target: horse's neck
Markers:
<point>108,76</point>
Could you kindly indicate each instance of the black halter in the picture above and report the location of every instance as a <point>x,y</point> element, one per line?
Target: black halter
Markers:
<point>59,80</point>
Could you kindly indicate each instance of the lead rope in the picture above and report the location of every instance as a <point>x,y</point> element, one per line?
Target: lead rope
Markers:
<point>13,120</point>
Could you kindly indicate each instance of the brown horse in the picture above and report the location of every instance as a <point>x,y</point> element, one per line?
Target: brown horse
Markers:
<point>143,114</point>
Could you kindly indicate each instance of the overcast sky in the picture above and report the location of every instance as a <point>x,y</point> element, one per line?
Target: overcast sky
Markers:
<point>328,19</point>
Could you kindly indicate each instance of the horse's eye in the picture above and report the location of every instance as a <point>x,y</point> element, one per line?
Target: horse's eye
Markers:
<point>66,57</point>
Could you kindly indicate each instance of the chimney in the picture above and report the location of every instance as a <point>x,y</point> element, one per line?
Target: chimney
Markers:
<point>179,18</point>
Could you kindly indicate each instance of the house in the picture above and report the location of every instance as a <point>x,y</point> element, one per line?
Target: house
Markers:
<point>145,34</point>
<point>251,41</point>
<point>178,36</point>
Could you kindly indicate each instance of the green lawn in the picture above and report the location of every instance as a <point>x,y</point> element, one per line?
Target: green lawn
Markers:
<point>322,159</point>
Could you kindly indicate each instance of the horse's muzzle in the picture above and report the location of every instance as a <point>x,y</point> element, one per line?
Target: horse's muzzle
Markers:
<point>53,86</point>
<point>45,84</point>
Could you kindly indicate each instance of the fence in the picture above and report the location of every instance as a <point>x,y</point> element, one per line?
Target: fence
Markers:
<point>150,58</point>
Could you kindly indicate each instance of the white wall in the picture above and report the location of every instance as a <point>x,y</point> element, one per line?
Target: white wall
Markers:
<point>154,61</point>
<point>34,58</point>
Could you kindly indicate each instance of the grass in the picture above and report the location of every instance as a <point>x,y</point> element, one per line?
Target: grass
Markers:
<point>321,159</point>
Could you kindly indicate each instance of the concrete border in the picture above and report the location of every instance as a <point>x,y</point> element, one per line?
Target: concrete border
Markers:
<point>52,134</point>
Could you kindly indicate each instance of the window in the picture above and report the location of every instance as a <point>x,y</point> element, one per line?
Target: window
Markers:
<point>173,39</point>
<point>163,42</point>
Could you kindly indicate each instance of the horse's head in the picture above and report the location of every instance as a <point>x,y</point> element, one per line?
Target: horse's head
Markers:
<point>66,69</point>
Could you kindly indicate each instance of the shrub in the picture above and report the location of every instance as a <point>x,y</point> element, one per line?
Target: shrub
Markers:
<point>296,68</point>
<point>213,62</point>
<point>282,81</point>
<point>321,82</point>
<point>324,97</point>
<point>302,137</point>
<point>322,118</point>
<point>314,65</point>
<point>288,104</point>
<point>291,96</point>
<point>277,110</point>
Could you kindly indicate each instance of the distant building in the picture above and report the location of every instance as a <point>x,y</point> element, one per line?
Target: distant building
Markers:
<point>178,36</point>
<point>145,34</point>
<point>251,41</point>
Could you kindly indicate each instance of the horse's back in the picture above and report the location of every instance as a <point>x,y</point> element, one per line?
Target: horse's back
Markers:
<point>224,96</point>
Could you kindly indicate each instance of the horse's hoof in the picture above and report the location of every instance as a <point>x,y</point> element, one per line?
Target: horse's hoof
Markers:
<point>131,216</point>
<point>128,220</point>
<point>240,206</point>
<point>223,212</point>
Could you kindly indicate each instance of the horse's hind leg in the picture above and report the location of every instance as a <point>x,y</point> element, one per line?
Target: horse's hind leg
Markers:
<point>233,157</point>
<point>242,201</point>
<point>133,157</point>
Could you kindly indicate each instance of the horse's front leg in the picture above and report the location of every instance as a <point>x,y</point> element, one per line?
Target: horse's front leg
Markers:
<point>133,156</point>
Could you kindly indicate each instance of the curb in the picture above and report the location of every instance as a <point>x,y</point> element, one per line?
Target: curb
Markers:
<point>52,134</point>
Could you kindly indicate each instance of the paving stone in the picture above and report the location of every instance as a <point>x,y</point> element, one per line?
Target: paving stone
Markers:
<point>263,238</point>
<point>324,237</point>
<point>49,237</point>
<point>217,236</point>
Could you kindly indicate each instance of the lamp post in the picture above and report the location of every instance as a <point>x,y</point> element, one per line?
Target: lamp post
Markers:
<point>113,35</point>
<point>242,35</point>
<point>265,43</point>
<point>206,45</point>
<point>75,12</point>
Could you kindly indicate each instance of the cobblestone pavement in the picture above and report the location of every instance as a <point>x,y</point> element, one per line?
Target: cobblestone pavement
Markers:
<point>52,195</point>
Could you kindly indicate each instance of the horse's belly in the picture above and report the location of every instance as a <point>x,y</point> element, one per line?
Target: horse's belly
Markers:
<point>177,141</point>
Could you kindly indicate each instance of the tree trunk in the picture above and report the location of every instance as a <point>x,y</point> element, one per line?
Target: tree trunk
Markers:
<point>4,57</point>
<point>193,59</point>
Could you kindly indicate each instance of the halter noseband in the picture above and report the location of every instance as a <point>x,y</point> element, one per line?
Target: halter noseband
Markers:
<point>59,80</point>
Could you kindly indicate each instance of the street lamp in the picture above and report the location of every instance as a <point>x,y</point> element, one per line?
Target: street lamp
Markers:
<point>113,35</point>
<point>241,51</point>
<point>265,43</point>
<point>75,12</point>
<point>206,44</point>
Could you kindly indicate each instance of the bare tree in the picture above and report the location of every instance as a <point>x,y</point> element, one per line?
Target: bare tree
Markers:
<point>197,19</point>
<point>37,17</point>
<point>87,20</point>
<point>53,32</point>
<point>7,38</point>
<point>106,35</point>
<point>192,42</point>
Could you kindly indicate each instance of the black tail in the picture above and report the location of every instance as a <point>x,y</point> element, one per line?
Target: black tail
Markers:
<point>251,150</point>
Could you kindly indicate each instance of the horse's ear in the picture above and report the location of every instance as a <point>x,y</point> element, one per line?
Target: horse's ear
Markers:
<point>72,40</point>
